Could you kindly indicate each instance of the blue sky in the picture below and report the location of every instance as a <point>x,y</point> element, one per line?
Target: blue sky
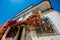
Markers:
<point>9,8</point>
